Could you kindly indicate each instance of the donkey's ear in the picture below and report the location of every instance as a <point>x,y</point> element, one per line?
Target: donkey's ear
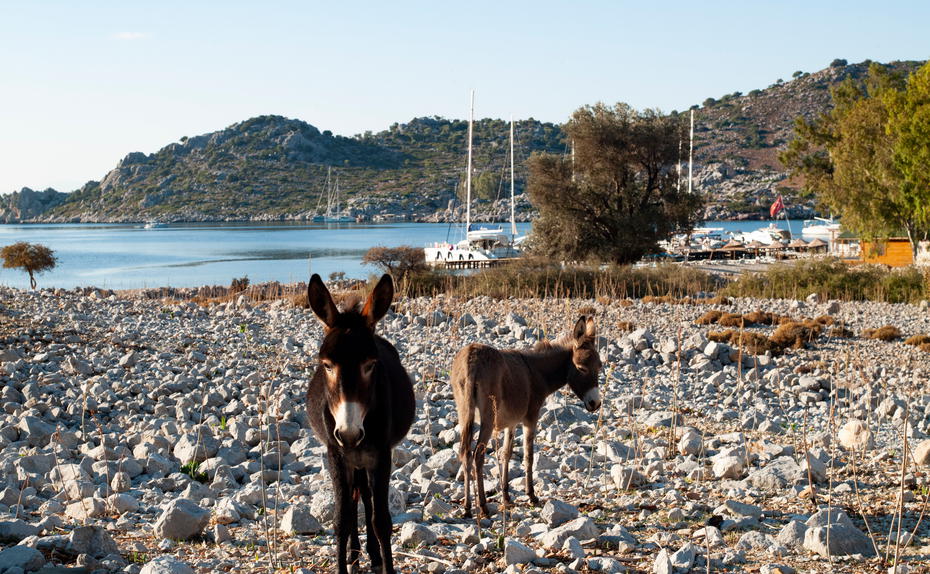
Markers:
<point>579,329</point>
<point>379,301</point>
<point>590,329</point>
<point>321,301</point>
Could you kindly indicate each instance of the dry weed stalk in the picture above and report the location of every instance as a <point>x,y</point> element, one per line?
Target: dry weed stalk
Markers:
<point>899,513</point>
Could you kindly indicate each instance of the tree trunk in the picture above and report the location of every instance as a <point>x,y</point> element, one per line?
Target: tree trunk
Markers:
<point>32,281</point>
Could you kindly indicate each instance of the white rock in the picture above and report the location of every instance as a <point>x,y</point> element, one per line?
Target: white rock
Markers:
<point>844,540</point>
<point>663,563</point>
<point>515,552</point>
<point>728,467</point>
<point>166,565</point>
<point>181,520</point>
<point>298,520</point>
<point>414,534</point>
<point>855,435</point>
<point>922,453</point>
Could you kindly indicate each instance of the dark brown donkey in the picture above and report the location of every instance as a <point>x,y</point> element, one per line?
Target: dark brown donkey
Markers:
<point>361,404</point>
<point>509,387</point>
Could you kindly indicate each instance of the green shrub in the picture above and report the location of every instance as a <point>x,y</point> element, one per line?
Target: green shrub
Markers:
<point>832,279</point>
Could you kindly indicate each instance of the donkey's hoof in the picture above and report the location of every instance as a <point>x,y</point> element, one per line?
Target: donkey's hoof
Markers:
<point>534,500</point>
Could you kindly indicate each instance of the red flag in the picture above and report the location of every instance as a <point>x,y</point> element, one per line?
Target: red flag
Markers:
<point>777,207</point>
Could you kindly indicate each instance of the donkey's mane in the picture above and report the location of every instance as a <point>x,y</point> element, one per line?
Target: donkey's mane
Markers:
<point>563,342</point>
<point>546,346</point>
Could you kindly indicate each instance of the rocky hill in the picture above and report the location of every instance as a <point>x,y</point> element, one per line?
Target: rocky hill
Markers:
<point>271,167</point>
<point>27,204</point>
<point>738,138</point>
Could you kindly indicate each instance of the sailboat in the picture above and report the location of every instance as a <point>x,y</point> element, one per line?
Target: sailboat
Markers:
<point>333,214</point>
<point>480,243</point>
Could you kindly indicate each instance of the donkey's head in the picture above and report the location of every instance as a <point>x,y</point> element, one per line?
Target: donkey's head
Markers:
<point>348,355</point>
<point>586,363</point>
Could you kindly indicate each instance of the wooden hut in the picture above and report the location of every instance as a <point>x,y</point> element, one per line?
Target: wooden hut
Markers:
<point>894,252</point>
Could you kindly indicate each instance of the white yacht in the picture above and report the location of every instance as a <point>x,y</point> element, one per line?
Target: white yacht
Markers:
<point>481,243</point>
<point>819,227</point>
<point>764,235</point>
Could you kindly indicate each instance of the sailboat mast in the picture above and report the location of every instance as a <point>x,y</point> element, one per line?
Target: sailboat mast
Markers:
<point>513,208</point>
<point>691,153</point>
<point>678,188</point>
<point>471,120</point>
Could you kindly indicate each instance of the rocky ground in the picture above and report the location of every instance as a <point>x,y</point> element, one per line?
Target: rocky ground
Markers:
<point>763,464</point>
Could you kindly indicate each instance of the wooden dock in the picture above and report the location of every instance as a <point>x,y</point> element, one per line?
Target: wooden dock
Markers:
<point>472,263</point>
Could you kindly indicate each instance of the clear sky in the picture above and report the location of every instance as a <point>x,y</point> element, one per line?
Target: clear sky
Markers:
<point>83,83</point>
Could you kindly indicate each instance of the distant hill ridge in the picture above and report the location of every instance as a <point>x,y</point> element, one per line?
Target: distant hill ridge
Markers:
<point>272,167</point>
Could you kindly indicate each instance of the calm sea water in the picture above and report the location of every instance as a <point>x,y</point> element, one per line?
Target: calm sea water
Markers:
<point>119,256</point>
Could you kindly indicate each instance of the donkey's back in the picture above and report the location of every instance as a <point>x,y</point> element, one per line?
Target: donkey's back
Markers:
<point>494,382</point>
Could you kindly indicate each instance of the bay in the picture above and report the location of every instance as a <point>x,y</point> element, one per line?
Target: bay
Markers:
<point>128,256</point>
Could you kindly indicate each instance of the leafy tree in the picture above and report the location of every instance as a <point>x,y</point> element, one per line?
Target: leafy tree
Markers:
<point>396,261</point>
<point>838,63</point>
<point>620,197</point>
<point>867,159</point>
<point>909,124</point>
<point>32,258</point>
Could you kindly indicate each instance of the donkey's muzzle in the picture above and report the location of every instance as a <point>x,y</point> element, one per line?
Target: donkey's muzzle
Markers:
<point>592,400</point>
<point>350,423</point>
<point>349,437</point>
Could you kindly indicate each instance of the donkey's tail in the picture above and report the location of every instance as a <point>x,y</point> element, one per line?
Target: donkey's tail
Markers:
<point>467,413</point>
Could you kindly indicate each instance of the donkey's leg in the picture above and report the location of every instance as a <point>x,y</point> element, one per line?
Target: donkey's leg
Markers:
<point>487,426</point>
<point>465,456</point>
<point>381,515</point>
<point>355,545</point>
<point>506,453</point>
<point>344,514</point>
<point>371,539</point>
<point>529,435</point>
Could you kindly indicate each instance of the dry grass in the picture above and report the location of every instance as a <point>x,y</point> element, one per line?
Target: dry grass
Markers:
<point>730,320</point>
<point>795,335</point>
<point>709,318</point>
<point>758,318</point>
<point>753,343</point>
<point>824,320</point>
<point>540,278</point>
<point>626,326</point>
<point>925,347</point>
<point>659,299</point>
<point>917,340</point>
<point>886,333</point>
<point>720,336</point>
<point>841,332</point>
<point>833,279</point>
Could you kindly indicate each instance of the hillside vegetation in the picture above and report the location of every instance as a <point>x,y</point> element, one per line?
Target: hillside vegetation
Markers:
<point>271,167</point>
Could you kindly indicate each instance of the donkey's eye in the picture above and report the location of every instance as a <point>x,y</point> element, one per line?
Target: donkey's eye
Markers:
<point>328,366</point>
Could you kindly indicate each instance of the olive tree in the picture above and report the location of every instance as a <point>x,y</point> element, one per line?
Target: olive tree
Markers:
<point>619,196</point>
